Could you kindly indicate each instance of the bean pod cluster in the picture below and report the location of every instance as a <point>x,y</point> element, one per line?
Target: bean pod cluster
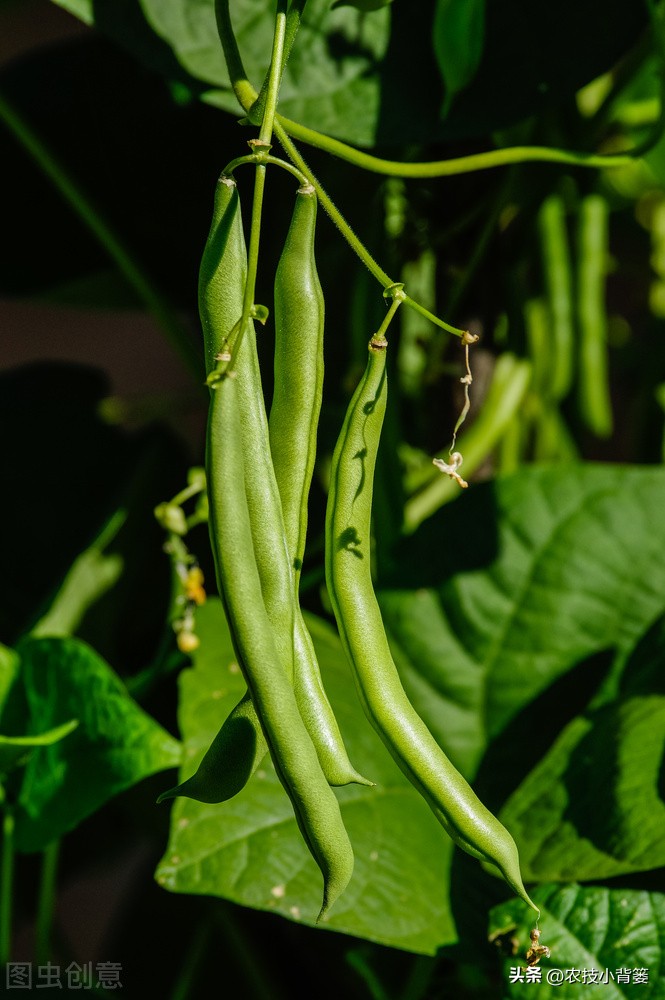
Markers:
<point>259,471</point>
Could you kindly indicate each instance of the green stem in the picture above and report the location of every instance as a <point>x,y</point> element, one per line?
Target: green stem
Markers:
<point>254,158</point>
<point>46,902</point>
<point>274,74</point>
<point>397,299</point>
<point>253,250</point>
<point>161,310</point>
<point>347,232</point>
<point>460,164</point>
<point>247,95</point>
<point>434,319</point>
<point>326,201</point>
<point>293,19</point>
<point>6,882</point>
<point>264,140</point>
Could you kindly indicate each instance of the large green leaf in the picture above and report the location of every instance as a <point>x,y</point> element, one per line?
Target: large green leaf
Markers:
<point>115,745</point>
<point>496,598</point>
<point>593,806</point>
<point>250,849</point>
<point>592,809</point>
<point>372,78</point>
<point>330,80</point>
<point>604,943</point>
<point>545,570</point>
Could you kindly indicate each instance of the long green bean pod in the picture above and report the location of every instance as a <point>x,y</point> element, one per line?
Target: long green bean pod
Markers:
<point>239,746</point>
<point>298,380</point>
<point>593,387</point>
<point>348,576</point>
<point>221,284</point>
<point>559,285</point>
<point>296,762</point>
<point>293,423</point>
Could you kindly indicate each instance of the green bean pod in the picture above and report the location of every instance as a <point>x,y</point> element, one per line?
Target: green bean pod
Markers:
<point>593,388</point>
<point>348,576</point>
<point>298,371</point>
<point>261,490</point>
<point>265,510</point>
<point>316,808</point>
<point>221,286</point>
<point>293,422</point>
<point>221,272</point>
<point>559,285</point>
<point>239,746</point>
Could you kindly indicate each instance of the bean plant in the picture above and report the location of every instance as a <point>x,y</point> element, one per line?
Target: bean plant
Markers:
<point>376,647</point>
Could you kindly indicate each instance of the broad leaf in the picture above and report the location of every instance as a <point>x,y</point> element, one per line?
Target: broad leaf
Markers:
<point>372,78</point>
<point>591,808</point>
<point>572,554</point>
<point>250,849</point>
<point>330,78</point>
<point>496,598</point>
<point>115,745</point>
<point>603,942</point>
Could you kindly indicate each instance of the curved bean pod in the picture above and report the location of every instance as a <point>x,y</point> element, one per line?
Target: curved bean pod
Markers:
<point>316,808</point>
<point>293,422</point>
<point>595,401</point>
<point>240,745</point>
<point>298,379</point>
<point>221,283</point>
<point>348,520</point>
<point>559,285</point>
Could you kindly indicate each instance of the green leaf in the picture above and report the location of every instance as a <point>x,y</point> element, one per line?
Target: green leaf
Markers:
<point>16,750</point>
<point>502,593</point>
<point>591,808</point>
<point>83,9</point>
<point>373,78</point>
<point>115,745</point>
<point>250,850</point>
<point>459,38</point>
<point>617,933</point>
<point>331,79</point>
<point>534,576</point>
